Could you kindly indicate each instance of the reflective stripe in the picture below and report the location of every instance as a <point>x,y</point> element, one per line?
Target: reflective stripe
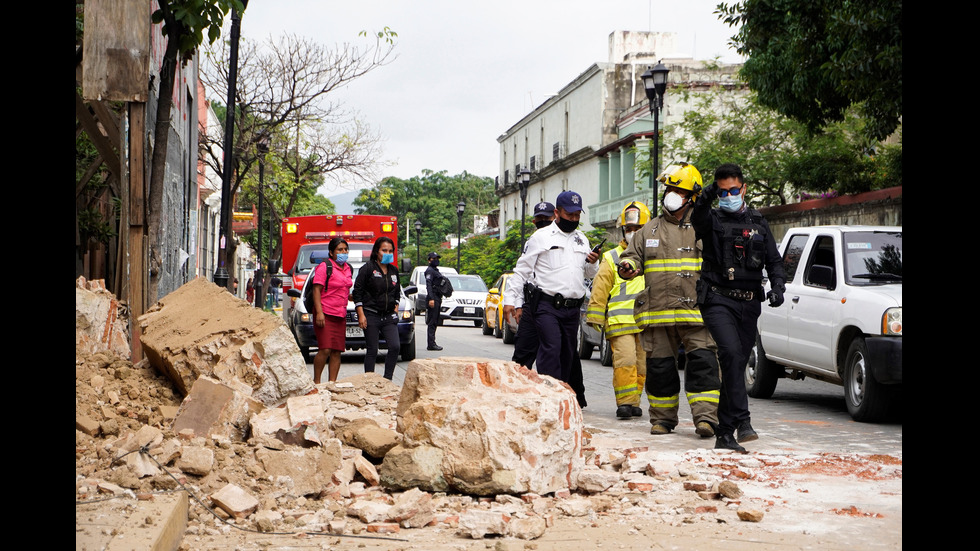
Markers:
<point>622,298</point>
<point>629,390</point>
<point>663,401</point>
<point>669,316</point>
<point>705,396</point>
<point>621,330</point>
<point>672,265</point>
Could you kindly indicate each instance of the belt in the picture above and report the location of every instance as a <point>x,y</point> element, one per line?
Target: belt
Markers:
<point>737,294</point>
<point>559,301</point>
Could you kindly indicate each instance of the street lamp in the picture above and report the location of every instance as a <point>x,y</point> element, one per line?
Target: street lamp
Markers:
<point>655,83</point>
<point>262,146</point>
<point>418,242</point>
<point>460,207</point>
<point>523,179</point>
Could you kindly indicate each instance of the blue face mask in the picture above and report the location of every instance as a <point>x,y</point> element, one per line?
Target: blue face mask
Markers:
<point>732,203</point>
<point>387,258</point>
<point>342,258</point>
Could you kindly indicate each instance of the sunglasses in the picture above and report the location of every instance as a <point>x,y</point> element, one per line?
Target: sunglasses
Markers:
<point>727,192</point>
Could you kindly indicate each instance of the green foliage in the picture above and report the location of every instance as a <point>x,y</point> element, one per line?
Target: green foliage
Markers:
<point>430,198</point>
<point>188,20</point>
<point>811,61</point>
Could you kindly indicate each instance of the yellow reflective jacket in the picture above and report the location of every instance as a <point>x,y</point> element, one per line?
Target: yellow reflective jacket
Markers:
<point>670,256</point>
<point>613,298</point>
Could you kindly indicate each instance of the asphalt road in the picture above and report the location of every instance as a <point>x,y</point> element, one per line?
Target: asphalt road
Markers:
<point>802,416</point>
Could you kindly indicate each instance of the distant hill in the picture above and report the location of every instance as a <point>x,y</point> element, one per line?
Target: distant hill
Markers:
<point>344,202</point>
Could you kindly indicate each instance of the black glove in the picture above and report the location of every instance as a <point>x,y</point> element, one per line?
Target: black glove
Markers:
<point>710,193</point>
<point>775,296</point>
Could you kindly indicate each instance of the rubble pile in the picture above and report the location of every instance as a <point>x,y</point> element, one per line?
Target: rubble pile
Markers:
<point>468,448</point>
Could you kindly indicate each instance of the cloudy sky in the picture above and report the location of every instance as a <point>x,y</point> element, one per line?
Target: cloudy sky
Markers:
<point>466,71</point>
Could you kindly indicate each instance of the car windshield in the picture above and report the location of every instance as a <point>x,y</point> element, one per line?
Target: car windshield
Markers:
<point>467,283</point>
<point>359,252</point>
<point>872,258</point>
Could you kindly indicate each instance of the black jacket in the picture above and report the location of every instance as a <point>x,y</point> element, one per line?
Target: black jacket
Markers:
<point>432,276</point>
<point>376,291</point>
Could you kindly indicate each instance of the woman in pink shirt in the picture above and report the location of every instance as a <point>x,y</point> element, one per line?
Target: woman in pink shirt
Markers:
<point>330,298</point>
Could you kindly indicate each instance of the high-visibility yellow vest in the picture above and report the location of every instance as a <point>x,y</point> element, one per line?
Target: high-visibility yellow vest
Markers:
<point>622,299</point>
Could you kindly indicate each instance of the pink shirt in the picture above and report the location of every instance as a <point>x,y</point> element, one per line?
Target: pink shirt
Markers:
<point>333,299</point>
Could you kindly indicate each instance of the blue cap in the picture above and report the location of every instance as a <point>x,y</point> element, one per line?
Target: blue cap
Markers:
<point>544,208</point>
<point>569,201</point>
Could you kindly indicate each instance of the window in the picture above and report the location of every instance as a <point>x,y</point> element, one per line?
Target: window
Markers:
<point>822,270</point>
<point>791,258</point>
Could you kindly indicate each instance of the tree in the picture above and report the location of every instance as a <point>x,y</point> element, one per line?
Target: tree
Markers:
<point>184,24</point>
<point>430,198</point>
<point>812,60</point>
<point>283,96</point>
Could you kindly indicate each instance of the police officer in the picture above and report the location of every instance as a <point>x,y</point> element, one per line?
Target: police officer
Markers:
<point>611,309</point>
<point>557,259</point>
<point>666,251</point>
<point>737,245</point>
<point>434,298</point>
<point>526,342</point>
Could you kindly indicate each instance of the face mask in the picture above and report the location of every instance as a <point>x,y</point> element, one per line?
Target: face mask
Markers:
<point>434,263</point>
<point>567,226</point>
<point>673,201</point>
<point>542,224</point>
<point>628,236</point>
<point>732,203</point>
<point>387,258</point>
<point>342,258</point>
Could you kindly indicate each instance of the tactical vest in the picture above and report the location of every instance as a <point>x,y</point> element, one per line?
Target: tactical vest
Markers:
<point>742,248</point>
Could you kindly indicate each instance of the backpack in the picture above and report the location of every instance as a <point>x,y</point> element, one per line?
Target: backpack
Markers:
<point>444,287</point>
<point>308,300</point>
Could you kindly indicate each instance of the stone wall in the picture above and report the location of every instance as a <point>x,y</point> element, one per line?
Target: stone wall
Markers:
<point>875,208</point>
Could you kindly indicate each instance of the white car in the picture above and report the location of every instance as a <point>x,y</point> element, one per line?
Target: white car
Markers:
<point>841,321</point>
<point>467,303</point>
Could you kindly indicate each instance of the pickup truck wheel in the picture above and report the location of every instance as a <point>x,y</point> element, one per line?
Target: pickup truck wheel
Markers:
<point>305,351</point>
<point>408,351</point>
<point>761,374</point>
<point>509,335</point>
<point>584,348</point>
<point>867,399</point>
<point>487,330</point>
<point>605,352</point>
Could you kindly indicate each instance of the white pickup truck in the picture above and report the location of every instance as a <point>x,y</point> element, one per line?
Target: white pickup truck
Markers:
<point>841,321</point>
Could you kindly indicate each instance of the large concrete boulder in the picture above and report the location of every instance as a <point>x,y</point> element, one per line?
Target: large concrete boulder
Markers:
<point>484,427</point>
<point>202,330</point>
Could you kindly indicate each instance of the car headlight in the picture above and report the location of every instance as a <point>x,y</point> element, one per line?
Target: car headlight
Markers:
<point>406,314</point>
<point>891,322</point>
<point>306,318</point>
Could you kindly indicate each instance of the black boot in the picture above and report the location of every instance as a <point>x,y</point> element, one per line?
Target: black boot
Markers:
<point>727,442</point>
<point>746,433</point>
<point>624,411</point>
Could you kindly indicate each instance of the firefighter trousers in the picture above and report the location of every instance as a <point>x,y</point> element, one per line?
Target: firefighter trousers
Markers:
<point>702,381</point>
<point>629,368</point>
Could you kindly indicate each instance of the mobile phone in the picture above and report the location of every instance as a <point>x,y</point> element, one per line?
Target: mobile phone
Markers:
<point>598,247</point>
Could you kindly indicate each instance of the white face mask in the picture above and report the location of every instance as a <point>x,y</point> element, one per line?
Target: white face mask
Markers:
<point>673,201</point>
<point>629,236</point>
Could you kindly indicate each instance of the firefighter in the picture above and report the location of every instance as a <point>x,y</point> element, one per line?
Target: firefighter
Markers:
<point>667,253</point>
<point>611,308</point>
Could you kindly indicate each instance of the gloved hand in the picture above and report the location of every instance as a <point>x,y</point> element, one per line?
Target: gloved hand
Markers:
<point>710,193</point>
<point>775,296</point>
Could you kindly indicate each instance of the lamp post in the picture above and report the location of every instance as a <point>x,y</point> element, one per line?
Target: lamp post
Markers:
<point>523,179</point>
<point>262,146</point>
<point>418,242</point>
<point>460,207</point>
<point>655,83</point>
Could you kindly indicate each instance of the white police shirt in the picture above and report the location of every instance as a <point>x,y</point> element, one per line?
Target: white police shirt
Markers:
<point>555,262</point>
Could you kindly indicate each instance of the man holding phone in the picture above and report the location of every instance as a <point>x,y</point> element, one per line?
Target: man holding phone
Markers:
<point>557,259</point>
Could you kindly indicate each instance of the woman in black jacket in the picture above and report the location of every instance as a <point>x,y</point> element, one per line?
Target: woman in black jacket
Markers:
<point>376,295</point>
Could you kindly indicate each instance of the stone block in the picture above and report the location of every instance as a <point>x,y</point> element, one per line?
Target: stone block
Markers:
<point>213,407</point>
<point>235,501</point>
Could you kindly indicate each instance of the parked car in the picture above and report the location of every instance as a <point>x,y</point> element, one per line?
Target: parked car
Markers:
<point>468,301</point>
<point>418,280</point>
<point>590,338</point>
<point>841,321</point>
<point>493,313</point>
<point>301,324</point>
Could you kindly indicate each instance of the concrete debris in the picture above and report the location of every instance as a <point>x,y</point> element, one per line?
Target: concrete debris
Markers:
<point>202,330</point>
<point>365,455</point>
<point>484,427</point>
<point>101,321</point>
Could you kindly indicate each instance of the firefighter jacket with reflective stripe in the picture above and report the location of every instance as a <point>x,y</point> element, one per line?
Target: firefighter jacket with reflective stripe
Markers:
<point>669,254</point>
<point>613,298</point>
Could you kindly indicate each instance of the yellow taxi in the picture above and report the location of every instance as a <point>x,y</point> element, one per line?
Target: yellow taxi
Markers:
<point>493,313</point>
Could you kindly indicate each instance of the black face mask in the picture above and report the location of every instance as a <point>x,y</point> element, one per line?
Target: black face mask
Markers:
<point>542,223</point>
<point>434,262</point>
<point>566,226</point>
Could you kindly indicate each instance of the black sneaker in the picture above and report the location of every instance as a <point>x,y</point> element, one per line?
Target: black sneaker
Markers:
<point>727,442</point>
<point>434,347</point>
<point>624,411</point>
<point>637,411</point>
<point>746,433</point>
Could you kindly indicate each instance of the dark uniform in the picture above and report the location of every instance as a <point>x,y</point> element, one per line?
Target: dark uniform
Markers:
<point>736,248</point>
<point>432,275</point>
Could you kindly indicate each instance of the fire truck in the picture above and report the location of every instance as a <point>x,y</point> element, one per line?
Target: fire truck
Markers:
<point>302,236</point>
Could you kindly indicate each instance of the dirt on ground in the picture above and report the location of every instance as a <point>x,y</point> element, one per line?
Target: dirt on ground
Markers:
<point>808,501</point>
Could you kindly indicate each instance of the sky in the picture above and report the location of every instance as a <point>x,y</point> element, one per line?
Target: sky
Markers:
<point>465,71</point>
